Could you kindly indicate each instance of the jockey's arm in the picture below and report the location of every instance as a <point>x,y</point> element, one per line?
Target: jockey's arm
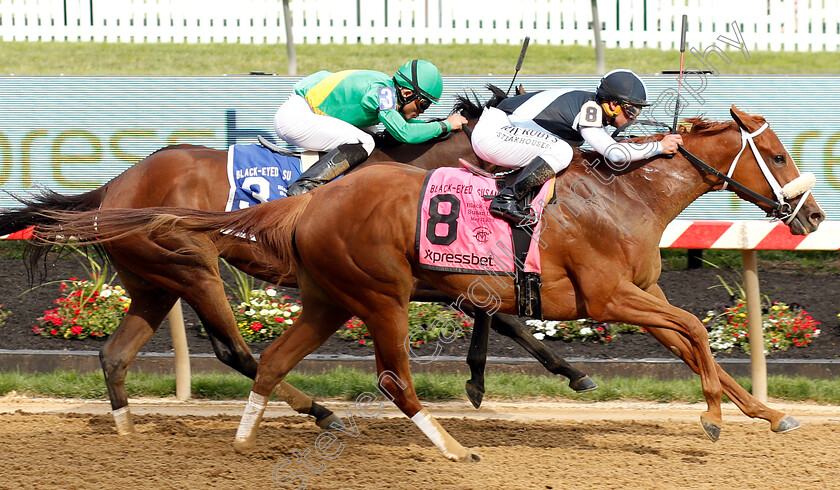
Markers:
<point>602,142</point>
<point>414,131</point>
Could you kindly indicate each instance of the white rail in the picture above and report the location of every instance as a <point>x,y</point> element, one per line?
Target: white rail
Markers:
<point>777,25</point>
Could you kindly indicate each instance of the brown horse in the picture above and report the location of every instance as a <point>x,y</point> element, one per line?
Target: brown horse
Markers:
<point>601,261</point>
<point>155,277</point>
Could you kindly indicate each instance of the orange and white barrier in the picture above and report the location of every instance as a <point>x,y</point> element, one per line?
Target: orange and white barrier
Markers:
<point>747,235</point>
<point>24,234</point>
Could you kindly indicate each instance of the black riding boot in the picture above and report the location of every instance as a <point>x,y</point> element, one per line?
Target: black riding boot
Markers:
<point>504,204</point>
<point>328,167</point>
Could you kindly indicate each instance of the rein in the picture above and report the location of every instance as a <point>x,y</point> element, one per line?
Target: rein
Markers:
<point>781,208</point>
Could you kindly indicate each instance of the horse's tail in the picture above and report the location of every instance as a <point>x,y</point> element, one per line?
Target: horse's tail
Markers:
<point>34,212</point>
<point>268,229</point>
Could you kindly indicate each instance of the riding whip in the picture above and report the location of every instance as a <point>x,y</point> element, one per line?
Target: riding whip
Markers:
<point>519,63</point>
<point>679,82</point>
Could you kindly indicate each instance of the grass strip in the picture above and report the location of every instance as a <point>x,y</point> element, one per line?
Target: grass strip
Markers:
<point>89,58</point>
<point>349,383</point>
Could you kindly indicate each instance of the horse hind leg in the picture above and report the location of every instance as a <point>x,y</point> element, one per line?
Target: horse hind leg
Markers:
<point>317,322</point>
<point>147,310</point>
<point>210,304</point>
<point>389,328</point>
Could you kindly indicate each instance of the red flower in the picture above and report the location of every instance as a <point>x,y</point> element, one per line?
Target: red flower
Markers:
<point>362,342</point>
<point>256,326</point>
<point>76,330</point>
<point>53,332</point>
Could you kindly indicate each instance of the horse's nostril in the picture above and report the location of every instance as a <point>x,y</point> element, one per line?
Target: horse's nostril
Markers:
<point>817,218</point>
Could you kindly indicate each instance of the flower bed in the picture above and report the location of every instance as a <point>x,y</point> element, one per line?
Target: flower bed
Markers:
<point>90,308</point>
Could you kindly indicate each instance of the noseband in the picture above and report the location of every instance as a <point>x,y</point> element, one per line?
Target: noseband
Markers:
<point>782,210</point>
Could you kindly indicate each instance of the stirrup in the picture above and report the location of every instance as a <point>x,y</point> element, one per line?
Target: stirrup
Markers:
<point>299,187</point>
<point>512,213</point>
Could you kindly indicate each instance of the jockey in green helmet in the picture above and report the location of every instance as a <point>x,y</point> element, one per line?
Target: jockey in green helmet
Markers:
<point>337,112</point>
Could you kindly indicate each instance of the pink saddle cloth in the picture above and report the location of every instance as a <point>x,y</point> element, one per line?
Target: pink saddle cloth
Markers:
<point>457,233</point>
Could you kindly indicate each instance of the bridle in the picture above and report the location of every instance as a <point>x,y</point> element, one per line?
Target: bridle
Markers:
<point>782,210</point>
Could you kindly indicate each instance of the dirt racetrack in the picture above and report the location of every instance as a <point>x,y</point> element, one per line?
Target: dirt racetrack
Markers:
<point>541,445</point>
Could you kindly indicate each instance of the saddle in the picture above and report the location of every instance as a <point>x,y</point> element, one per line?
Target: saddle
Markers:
<point>307,158</point>
<point>527,284</point>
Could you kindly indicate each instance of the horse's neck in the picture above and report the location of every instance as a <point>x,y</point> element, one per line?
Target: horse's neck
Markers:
<point>671,184</point>
<point>431,154</point>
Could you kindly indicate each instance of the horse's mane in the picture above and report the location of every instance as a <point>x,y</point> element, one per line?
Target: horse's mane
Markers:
<point>700,125</point>
<point>472,110</point>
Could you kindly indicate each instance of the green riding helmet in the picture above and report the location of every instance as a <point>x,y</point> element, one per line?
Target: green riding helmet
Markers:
<point>422,77</point>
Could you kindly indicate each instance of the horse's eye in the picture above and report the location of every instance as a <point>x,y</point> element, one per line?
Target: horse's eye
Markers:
<point>780,159</point>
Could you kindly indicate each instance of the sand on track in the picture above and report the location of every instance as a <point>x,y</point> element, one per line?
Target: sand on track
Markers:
<point>55,443</point>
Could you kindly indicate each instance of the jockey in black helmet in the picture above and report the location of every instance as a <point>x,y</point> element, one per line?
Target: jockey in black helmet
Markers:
<point>538,130</point>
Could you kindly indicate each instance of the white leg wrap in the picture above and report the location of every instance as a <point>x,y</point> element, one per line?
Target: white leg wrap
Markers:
<point>450,448</point>
<point>122,419</point>
<point>247,431</point>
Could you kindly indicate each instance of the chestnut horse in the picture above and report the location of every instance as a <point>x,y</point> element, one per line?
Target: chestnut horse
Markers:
<point>601,260</point>
<point>155,277</point>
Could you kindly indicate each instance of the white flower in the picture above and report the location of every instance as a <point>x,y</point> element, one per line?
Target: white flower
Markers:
<point>534,323</point>
<point>264,312</point>
<point>105,293</point>
<point>294,308</point>
<point>287,314</point>
<point>288,321</point>
<point>271,292</point>
<point>250,312</point>
<point>585,331</point>
<point>539,336</point>
<point>551,331</point>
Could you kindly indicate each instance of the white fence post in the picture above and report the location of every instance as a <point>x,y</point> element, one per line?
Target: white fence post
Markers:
<point>182,352</point>
<point>758,363</point>
<point>767,24</point>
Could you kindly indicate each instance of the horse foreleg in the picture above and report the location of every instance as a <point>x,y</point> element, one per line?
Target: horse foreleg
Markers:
<point>748,404</point>
<point>145,314</point>
<point>630,304</point>
<point>509,326</point>
<point>477,357</point>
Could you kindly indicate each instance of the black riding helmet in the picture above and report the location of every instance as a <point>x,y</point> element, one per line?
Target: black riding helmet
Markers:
<point>623,86</point>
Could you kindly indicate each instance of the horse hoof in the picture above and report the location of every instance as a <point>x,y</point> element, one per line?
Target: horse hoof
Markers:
<point>470,457</point>
<point>333,421</point>
<point>787,424</point>
<point>583,384</point>
<point>712,429</point>
<point>475,394</point>
<point>242,446</point>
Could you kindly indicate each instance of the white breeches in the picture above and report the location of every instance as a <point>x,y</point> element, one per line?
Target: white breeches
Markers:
<point>297,124</point>
<point>499,142</point>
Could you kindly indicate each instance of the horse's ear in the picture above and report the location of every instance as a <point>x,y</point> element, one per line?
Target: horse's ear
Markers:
<point>746,121</point>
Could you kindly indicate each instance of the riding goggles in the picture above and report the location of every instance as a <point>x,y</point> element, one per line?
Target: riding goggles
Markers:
<point>632,111</point>
<point>424,103</point>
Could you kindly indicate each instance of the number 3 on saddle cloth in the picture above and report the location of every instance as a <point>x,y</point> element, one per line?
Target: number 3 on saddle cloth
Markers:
<point>457,233</point>
<point>257,175</point>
